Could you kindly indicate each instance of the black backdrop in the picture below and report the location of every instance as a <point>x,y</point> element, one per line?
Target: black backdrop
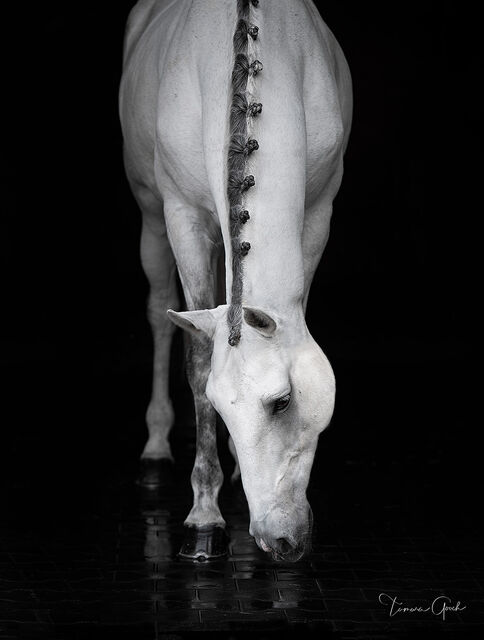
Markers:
<point>391,303</point>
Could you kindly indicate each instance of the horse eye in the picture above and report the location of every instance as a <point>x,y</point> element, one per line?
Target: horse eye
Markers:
<point>281,404</point>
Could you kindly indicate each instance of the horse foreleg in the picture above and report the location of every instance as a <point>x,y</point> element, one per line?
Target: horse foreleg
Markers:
<point>160,269</point>
<point>205,537</point>
<point>207,476</point>
<point>196,256</point>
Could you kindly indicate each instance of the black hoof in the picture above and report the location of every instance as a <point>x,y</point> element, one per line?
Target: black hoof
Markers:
<point>155,473</point>
<point>206,543</point>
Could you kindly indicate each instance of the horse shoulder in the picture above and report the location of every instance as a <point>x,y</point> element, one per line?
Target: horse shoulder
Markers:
<point>192,110</point>
<point>328,109</point>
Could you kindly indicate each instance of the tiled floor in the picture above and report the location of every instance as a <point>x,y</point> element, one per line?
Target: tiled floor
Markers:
<point>85,553</point>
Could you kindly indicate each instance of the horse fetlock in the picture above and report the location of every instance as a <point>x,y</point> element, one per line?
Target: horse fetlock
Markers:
<point>207,478</point>
<point>205,513</point>
<point>157,449</point>
<point>159,420</point>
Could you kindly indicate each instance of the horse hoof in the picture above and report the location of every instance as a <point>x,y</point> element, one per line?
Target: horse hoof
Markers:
<point>155,473</point>
<point>205,543</point>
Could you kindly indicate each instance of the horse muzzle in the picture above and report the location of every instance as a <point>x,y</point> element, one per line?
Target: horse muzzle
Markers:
<point>284,548</point>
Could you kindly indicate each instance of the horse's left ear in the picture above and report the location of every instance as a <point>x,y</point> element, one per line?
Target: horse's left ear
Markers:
<point>196,322</point>
<point>260,320</point>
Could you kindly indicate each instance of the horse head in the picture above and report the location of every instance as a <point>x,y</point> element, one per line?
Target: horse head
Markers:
<point>275,392</point>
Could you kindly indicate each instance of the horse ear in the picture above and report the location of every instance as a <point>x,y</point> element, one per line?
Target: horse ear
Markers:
<point>260,320</point>
<point>196,322</point>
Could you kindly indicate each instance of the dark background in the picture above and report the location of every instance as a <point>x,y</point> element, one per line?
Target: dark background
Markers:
<point>391,305</point>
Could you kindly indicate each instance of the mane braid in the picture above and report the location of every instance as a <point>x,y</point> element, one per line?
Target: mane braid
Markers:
<point>239,148</point>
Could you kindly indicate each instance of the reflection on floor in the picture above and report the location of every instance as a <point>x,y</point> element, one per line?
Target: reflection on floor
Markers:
<point>85,553</point>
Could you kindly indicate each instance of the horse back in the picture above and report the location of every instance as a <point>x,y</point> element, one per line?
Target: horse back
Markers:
<point>175,92</point>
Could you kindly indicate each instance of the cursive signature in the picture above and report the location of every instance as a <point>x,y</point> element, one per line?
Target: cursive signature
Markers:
<point>439,606</point>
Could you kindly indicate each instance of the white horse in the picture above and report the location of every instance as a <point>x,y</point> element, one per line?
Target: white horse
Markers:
<point>235,116</point>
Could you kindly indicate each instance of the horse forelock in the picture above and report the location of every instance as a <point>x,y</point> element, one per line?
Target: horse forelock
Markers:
<point>240,146</point>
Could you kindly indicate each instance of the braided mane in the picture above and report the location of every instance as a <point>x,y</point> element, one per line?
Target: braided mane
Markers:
<point>240,146</point>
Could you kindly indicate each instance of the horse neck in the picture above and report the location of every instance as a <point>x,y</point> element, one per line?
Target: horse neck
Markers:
<point>273,269</point>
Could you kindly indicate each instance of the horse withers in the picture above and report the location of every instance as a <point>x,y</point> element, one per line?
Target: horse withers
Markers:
<point>235,117</point>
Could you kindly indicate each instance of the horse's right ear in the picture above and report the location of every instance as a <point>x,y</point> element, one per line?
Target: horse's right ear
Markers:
<point>260,321</point>
<point>197,322</point>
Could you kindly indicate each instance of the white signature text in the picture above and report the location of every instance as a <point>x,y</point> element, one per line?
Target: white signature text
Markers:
<point>440,606</point>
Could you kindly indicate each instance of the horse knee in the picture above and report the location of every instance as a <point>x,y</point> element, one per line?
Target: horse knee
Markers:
<point>207,476</point>
<point>160,416</point>
<point>158,304</point>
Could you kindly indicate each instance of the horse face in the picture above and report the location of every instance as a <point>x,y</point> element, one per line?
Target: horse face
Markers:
<point>275,395</point>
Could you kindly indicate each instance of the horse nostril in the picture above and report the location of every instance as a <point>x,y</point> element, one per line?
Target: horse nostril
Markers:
<point>283,546</point>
